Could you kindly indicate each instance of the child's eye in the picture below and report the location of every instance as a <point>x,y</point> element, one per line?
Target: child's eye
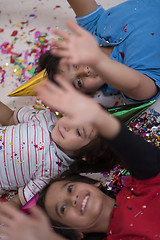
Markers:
<point>78,133</point>
<point>79,82</point>
<point>69,189</point>
<point>62,209</point>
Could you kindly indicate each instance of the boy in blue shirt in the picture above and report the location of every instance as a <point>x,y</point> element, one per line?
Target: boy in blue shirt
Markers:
<point>131,44</point>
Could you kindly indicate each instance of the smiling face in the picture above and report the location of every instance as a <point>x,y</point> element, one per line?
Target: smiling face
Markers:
<point>82,77</point>
<point>70,140</point>
<point>78,205</point>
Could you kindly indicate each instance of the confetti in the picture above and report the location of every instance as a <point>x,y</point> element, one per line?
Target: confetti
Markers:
<point>14,33</point>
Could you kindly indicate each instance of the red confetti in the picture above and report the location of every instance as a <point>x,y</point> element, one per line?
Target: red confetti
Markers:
<point>32,30</point>
<point>12,60</point>
<point>1,30</point>
<point>41,147</point>
<point>10,21</point>
<point>116,104</point>
<point>14,33</point>
<point>24,22</point>
<point>33,51</point>
<point>152,34</point>
<point>122,54</point>
<point>58,6</point>
<point>124,28</point>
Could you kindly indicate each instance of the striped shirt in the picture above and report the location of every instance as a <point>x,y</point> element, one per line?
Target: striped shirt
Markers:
<point>28,156</point>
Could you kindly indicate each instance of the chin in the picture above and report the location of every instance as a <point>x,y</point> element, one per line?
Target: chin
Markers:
<point>98,211</point>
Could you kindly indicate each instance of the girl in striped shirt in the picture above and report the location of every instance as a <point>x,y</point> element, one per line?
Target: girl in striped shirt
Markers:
<point>35,146</point>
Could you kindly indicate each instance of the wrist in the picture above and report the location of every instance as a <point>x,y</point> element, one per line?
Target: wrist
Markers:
<point>101,61</point>
<point>107,125</point>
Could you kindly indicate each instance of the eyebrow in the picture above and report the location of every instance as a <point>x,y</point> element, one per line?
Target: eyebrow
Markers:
<point>56,208</point>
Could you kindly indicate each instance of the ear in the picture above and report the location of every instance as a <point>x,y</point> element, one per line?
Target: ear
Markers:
<point>84,158</point>
<point>97,184</point>
<point>81,235</point>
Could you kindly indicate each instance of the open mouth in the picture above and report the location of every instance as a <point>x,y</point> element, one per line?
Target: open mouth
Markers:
<point>84,203</point>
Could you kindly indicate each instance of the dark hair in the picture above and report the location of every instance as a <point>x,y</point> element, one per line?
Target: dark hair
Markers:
<point>50,63</point>
<point>62,229</point>
<point>96,156</point>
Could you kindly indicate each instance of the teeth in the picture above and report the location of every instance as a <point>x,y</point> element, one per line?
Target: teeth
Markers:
<point>84,203</point>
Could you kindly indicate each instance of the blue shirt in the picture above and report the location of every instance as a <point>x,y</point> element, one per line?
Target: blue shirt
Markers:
<point>133,28</point>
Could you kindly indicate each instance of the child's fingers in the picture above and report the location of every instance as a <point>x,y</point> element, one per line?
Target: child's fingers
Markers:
<point>63,83</point>
<point>75,27</point>
<point>50,94</point>
<point>38,214</point>
<point>5,220</point>
<point>60,52</point>
<point>68,60</point>
<point>61,33</point>
<point>54,87</point>
<point>8,210</point>
<point>4,230</point>
<point>45,93</point>
<point>60,44</point>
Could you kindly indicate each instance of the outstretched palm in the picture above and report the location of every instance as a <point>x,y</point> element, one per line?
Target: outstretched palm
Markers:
<point>78,48</point>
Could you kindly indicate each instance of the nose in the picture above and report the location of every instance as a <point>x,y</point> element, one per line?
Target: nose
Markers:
<point>84,70</point>
<point>87,70</point>
<point>74,200</point>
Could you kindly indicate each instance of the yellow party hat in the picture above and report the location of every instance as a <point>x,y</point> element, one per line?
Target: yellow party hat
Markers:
<point>28,88</point>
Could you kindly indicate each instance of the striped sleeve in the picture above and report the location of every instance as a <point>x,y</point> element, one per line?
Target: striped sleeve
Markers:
<point>27,192</point>
<point>24,114</point>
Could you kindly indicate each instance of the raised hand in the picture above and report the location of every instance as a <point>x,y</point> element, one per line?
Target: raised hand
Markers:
<point>64,98</point>
<point>16,225</point>
<point>78,48</point>
<point>81,109</point>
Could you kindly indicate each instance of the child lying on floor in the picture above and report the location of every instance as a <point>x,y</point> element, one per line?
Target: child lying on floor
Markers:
<point>36,145</point>
<point>130,67</point>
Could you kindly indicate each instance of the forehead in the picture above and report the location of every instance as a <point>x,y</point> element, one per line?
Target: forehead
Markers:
<point>51,198</point>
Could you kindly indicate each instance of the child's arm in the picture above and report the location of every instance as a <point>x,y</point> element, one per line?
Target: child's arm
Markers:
<point>21,226</point>
<point>83,7</point>
<point>140,156</point>
<point>6,115</point>
<point>82,48</point>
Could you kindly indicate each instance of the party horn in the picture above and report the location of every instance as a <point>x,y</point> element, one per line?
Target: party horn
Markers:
<point>28,88</point>
<point>128,113</point>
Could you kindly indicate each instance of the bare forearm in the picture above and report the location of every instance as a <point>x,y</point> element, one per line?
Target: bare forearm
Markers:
<point>6,115</point>
<point>82,7</point>
<point>131,82</point>
<point>107,125</point>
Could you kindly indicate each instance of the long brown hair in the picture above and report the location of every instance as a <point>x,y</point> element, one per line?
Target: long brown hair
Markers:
<point>62,229</point>
<point>96,156</point>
